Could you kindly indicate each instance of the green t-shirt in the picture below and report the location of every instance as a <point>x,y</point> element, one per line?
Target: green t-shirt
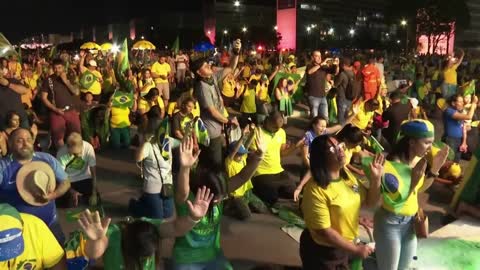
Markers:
<point>202,243</point>
<point>113,258</point>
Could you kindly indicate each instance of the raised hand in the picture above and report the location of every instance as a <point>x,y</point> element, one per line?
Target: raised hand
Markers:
<point>377,167</point>
<point>187,158</point>
<point>439,159</point>
<point>417,173</point>
<point>93,226</point>
<point>260,142</point>
<point>199,208</point>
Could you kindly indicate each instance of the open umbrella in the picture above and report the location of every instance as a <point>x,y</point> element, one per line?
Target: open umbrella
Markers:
<point>106,46</point>
<point>203,47</point>
<point>90,46</point>
<point>143,45</point>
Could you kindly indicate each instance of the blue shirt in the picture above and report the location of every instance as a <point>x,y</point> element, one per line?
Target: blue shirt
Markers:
<point>453,128</point>
<point>8,187</point>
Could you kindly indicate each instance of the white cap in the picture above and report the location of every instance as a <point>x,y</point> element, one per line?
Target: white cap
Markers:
<point>92,63</point>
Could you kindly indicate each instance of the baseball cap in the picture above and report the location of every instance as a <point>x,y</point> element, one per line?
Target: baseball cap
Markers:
<point>11,237</point>
<point>197,64</point>
<point>241,151</point>
<point>92,63</point>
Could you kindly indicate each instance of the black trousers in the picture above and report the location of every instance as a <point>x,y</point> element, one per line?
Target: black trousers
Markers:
<point>270,187</point>
<point>316,257</point>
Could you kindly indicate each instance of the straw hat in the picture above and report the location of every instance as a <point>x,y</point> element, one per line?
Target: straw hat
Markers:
<point>33,179</point>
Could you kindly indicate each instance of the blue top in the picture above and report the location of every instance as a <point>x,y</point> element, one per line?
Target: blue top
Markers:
<point>452,128</point>
<point>8,188</point>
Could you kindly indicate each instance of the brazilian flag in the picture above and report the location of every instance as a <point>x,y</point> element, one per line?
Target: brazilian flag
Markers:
<point>332,110</point>
<point>469,88</point>
<point>163,134</point>
<point>123,99</point>
<point>375,145</point>
<point>87,79</point>
<point>395,186</point>
<point>298,93</point>
<point>74,248</point>
<point>200,131</point>
<point>120,66</point>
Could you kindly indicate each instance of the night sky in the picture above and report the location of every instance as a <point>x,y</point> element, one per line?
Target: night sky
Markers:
<point>23,18</point>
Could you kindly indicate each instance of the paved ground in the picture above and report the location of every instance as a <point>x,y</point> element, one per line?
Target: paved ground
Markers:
<point>248,244</point>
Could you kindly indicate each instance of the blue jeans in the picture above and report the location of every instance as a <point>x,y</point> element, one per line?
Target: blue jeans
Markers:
<point>396,242</point>
<point>220,263</point>
<point>152,206</point>
<point>454,144</point>
<point>318,106</point>
<point>343,105</point>
<point>448,90</point>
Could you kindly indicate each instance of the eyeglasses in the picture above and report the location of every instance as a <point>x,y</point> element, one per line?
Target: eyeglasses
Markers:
<point>336,146</point>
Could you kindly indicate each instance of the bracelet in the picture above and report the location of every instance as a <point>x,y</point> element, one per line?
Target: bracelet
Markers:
<point>192,220</point>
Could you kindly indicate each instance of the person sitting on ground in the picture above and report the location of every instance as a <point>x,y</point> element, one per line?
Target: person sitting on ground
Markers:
<point>78,160</point>
<point>242,202</point>
<point>151,99</point>
<point>17,185</point>
<point>136,244</point>
<point>200,247</point>
<point>156,166</point>
<point>362,112</point>
<point>27,243</point>
<point>183,117</point>
<point>271,181</point>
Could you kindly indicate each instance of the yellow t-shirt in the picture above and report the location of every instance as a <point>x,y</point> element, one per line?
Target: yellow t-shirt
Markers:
<point>271,163</point>
<point>262,91</point>
<point>255,77</point>
<point>145,106</point>
<point>41,249</point>
<point>32,82</point>
<point>336,207</point>
<point>248,103</point>
<point>96,87</point>
<point>161,69</point>
<point>450,75</point>
<point>27,98</point>
<point>233,167</point>
<point>228,88</point>
<point>145,86</point>
<point>362,118</point>
<point>349,153</point>
<point>120,117</point>
<point>246,72</point>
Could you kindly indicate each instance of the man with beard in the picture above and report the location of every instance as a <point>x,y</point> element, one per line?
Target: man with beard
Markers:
<point>58,94</point>
<point>21,146</point>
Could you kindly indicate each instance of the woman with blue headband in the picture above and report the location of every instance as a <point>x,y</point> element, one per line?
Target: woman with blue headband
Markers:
<point>404,177</point>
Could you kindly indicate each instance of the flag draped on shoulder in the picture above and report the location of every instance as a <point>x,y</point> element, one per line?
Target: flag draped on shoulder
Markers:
<point>122,99</point>
<point>395,184</point>
<point>164,138</point>
<point>201,133</point>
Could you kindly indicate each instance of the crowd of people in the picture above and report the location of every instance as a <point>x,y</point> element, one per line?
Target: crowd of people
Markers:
<point>209,139</point>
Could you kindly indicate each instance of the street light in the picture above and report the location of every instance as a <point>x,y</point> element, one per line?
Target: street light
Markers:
<point>308,29</point>
<point>225,32</point>
<point>143,37</point>
<point>351,32</point>
<point>330,31</point>
<point>403,23</point>
<point>208,32</point>
<point>236,3</point>
<point>398,41</point>
<point>244,29</point>
<point>275,28</point>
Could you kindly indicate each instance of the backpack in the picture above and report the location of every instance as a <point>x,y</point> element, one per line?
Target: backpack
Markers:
<point>349,91</point>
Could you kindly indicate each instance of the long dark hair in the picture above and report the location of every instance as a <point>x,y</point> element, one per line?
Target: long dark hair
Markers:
<point>152,93</point>
<point>140,240</point>
<point>400,149</point>
<point>319,150</point>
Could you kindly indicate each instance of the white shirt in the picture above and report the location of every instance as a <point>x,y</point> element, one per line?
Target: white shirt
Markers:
<point>78,167</point>
<point>181,61</point>
<point>381,69</point>
<point>151,173</point>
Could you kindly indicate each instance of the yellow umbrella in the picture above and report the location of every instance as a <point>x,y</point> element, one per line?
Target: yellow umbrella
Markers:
<point>143,45</point>
<point>106,46</point>
<point>90,46</point>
